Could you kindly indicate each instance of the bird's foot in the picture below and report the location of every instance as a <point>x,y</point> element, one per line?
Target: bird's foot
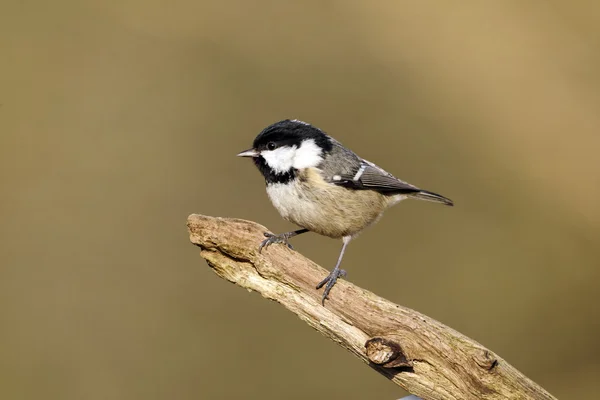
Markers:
<point>329,281</point>
<point>273,238</point>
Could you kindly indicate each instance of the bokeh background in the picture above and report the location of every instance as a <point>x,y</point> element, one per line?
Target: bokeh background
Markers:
<point>118,119</point>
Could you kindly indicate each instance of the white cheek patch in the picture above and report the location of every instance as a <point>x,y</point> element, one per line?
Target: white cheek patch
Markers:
<point>281,160</point>
<point>285,158</point>
<point>308,155</point>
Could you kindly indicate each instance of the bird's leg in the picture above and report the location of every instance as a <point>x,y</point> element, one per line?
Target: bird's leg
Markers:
<point>281,238</point>
<point>332,278</point>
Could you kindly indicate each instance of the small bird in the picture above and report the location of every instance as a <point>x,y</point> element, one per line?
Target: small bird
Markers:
<point>323,187</point>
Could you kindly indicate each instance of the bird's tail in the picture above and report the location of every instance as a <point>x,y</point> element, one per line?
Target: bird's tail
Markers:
<point>430,196</point>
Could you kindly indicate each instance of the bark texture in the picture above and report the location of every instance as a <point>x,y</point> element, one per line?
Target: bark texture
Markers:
<point>416,352</point>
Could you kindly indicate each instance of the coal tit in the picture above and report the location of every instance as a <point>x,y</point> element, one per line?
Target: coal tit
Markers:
<point>318,184</point>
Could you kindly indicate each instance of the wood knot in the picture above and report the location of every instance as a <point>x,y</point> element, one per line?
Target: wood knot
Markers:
<point>386,353</point>
<point>485,360</point>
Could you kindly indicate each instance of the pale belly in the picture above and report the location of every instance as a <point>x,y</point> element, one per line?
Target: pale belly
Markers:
<point>328,209</point>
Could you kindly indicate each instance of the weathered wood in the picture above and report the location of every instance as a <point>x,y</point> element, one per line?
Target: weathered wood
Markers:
<point>416,352</point>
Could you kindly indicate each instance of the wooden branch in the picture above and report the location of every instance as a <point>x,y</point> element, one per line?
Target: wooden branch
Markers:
<point>421,355</point>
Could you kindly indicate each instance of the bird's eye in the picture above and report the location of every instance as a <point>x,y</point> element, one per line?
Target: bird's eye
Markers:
<point>271,146</point>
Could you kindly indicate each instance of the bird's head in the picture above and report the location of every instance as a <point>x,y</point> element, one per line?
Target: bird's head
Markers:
<point>285,147</point>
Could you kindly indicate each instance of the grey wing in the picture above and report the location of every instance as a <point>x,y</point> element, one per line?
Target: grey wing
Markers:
<point>369,176</point>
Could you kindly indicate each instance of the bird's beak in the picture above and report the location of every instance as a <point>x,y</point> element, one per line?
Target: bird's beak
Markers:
<point>249,153</point>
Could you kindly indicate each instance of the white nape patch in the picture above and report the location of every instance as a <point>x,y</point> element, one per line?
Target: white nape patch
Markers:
<point>284,158</point>
<point>300,122</point>
<point>281,160</point>
<point>308,155</point>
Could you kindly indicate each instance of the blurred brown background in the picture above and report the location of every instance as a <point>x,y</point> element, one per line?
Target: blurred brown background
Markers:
<point>118,120</point>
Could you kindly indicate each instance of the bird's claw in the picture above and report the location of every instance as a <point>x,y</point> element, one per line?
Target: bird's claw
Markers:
<point>329,282</point>
<point>273,238</point>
